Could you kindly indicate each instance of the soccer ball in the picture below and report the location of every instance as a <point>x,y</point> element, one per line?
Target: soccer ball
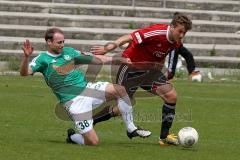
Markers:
<point>187,137</point>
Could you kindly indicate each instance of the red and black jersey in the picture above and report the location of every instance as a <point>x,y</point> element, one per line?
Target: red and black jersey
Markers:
<point>150,44</point>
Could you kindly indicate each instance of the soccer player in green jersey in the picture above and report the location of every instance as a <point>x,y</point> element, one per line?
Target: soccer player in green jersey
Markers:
<point>77,96</point>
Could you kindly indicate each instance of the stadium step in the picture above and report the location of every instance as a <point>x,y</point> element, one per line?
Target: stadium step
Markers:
<point>14,43</point>
<point>45,19</point>
<point>220,62</point>
<point>112,34</point>
<point>110,10</point>
<point>220,5</point>
<point>203,61</point>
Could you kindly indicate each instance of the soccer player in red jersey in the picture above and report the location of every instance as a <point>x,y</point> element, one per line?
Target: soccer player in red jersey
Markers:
<point>147,49</point>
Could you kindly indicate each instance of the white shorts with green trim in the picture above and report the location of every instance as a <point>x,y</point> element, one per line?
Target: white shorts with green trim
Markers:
<point>81,107</point>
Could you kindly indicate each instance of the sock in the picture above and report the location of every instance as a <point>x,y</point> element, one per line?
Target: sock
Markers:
<point>168,113</point>
<point>77,138</point>
<point>103,115</point>
<point>125,108</point>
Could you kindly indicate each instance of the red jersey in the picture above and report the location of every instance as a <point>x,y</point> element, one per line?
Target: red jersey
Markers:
<point>150,44</point>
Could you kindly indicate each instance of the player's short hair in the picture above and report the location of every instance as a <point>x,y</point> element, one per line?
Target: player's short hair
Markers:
<point>50,33</point>
<point>179,18</point>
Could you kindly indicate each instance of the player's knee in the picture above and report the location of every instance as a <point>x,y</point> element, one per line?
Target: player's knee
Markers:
<point>94,142</point>
<point>167,93</point>
<point>171,97</point>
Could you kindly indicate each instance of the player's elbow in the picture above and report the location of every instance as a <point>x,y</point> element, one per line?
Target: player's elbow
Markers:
<point>23,73</point>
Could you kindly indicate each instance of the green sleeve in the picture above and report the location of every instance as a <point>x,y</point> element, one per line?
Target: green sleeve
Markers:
<point>36,64</point>
<point>82,58</point>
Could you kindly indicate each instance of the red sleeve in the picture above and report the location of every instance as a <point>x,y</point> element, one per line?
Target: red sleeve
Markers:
<point>138,35</point>
<point>142,35</point>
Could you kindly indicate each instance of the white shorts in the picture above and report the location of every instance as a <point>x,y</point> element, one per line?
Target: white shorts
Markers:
<point>80,108</point>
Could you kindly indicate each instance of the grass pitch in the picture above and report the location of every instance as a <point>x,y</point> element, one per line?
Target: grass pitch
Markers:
<point>31,130</point>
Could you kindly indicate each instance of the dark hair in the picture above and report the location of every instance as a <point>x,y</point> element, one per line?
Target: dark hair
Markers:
<point>50,33</point>
<point>179,18</point>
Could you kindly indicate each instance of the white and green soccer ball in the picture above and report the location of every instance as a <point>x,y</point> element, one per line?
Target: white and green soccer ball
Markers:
<point>187,137</point>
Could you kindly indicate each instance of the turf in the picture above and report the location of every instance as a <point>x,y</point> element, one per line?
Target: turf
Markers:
<point>31,130</point>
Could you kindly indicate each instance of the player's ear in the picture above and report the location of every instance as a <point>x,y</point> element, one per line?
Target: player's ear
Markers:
<point>49,42</point>
<point>171,27</point>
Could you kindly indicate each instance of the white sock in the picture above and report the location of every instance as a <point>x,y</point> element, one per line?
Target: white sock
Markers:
<point>125,108</point>
<point>77,138</point>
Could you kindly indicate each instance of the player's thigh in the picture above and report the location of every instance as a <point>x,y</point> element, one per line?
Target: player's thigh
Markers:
<point>114,91</point>
<point>157,84</point>
<point>130,78</point>
<point>95,90</point>
<point>80,110</point>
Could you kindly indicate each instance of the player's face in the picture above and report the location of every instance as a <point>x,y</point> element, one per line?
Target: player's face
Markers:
<point>57,43</point>
<point>178,32</point>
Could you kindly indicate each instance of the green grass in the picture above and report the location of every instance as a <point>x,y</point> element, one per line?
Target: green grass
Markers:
<point>31,130</point>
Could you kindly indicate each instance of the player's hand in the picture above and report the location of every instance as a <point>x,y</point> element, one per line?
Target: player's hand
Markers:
<point>27,48</point>
<point>121,60</point>
<point>127,61</point>
<point>196,76</point>
<point>98,50</point>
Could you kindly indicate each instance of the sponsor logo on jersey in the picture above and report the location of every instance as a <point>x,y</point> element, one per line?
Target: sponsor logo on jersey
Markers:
<point>159,45</point>
<point>53,61</point>
<point>159,54</point>
<point>64,69</point>
<point>67,57</point>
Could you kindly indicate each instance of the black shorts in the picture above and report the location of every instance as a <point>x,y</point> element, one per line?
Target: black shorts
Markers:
<point>132,78</point>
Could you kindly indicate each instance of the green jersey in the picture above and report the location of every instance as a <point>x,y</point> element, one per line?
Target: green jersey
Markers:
<point>60,72</point>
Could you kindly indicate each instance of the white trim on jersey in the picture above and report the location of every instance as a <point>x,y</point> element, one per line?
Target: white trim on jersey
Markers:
<point>138,36</point>
<point>167,35</point>
<point>171,60</point>
<point>154,33</point>
<point>33,62</point>
<point>53,55</point>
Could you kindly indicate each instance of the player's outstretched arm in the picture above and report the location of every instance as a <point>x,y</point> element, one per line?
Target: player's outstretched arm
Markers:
<point>115,60</point>
<point>27,50</point>
<point>100,49</point>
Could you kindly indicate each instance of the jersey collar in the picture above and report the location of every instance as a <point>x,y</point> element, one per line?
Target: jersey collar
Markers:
<point>52,55</point>
<point>167,35</point>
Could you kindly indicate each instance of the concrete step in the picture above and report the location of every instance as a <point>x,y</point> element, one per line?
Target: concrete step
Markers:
<point>45,19</point>
<point>110,10</point>
<point>214,73</point>
<point>112,34</point>
<point>201,61</point>
<point>16,53</point>
<point>15,43</point>
<point>220,62</point>
<point>221,5</point>
<point>214,50</point>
